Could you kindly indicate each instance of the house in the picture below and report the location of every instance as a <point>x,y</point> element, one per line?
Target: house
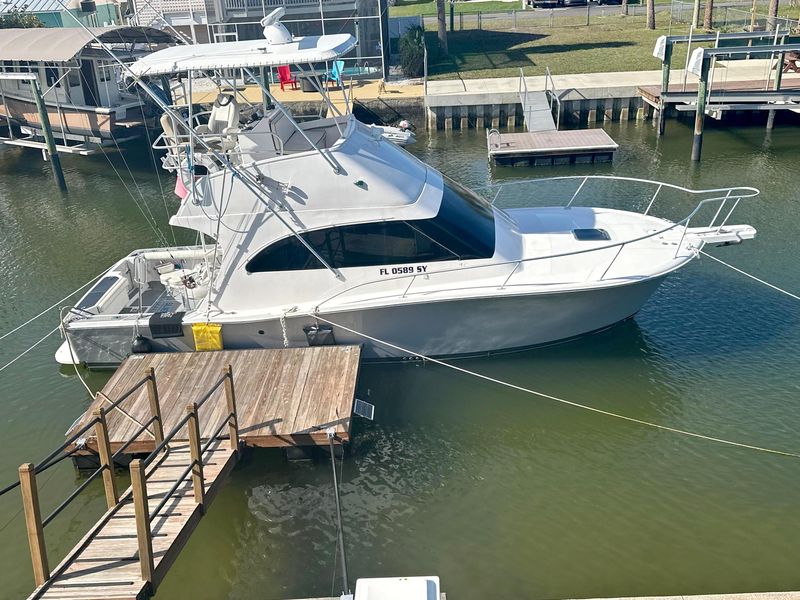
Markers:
<point>92,13</point>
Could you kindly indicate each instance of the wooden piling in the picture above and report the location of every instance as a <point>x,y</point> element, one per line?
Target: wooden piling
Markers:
<point>230,398</point>
<point>142,512</point>
<point>700,115</point>
<point>665,66</point>
<point>106,462</point>
<point>155,406</point>
<point>33,523</point>
<point>47,131</point>
<point>193,426</point>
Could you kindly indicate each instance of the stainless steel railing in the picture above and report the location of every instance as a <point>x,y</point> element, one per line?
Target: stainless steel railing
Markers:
<point>720,196</point>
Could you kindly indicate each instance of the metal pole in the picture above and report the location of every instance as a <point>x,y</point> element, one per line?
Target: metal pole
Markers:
<point>664,88</point>
<point>452,15</point>
<point>699,118</point>
<point>44,119</point>
<point>345,586</point>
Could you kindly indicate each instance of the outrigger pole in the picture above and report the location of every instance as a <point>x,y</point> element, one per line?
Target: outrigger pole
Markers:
<point>243,176</point>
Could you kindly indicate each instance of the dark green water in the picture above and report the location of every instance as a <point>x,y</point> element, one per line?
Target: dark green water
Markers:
<point>500,493</point>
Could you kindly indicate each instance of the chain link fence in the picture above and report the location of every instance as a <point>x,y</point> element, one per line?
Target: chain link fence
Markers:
<point>513,20</point>
<point>734,17</point>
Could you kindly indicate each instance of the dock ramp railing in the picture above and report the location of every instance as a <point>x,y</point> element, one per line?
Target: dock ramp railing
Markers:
<point>79,442</point>
<point>537,106</point>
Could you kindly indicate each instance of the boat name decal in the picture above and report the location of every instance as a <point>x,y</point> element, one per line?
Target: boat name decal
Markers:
<point>403,270</point>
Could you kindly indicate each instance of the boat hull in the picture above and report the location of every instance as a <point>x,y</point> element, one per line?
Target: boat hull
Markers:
<point>467,327</point>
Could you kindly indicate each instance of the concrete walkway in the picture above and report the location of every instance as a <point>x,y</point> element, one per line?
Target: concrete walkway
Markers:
<point>602,85</point>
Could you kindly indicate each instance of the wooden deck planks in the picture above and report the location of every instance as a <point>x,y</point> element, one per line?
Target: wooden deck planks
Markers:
<point>106,564</point>
<point>284,397</point>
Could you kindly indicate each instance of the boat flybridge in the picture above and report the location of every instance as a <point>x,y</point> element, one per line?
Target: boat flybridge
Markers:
<point>326,233</point>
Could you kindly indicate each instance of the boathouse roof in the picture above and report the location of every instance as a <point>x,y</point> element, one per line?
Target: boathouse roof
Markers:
<point>62,44</point>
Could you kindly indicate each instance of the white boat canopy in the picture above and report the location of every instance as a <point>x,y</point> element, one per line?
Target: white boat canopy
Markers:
<point>248,53</point>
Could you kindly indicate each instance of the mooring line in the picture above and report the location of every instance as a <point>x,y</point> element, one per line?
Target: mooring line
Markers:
<point>48,309</point>
<point>753,277</point>
<point>16,358</point>
<point>555,398</point>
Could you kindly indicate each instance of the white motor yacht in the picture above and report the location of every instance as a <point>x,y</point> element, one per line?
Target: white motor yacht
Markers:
<point>314,233</point>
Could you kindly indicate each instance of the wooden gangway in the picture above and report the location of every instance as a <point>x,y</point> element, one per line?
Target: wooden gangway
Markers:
<point>181,419</point>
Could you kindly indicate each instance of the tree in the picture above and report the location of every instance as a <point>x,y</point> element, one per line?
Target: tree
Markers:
<point>708,17</point>
<point>442,26</point>
<point>651,14</point>
<point>412,52</point>
<point>15,19</point>
<point>772,15</point>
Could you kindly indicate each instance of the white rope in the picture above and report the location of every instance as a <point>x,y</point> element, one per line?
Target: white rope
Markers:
<point>753,277</point>
<point>555,398</point>
<point>15,359</point>
<point>49,308</point>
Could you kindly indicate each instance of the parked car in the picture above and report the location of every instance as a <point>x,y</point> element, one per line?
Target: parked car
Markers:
<point>575,2</point>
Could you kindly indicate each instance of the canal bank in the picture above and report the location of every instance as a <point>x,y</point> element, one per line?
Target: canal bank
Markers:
<point>584,100</point>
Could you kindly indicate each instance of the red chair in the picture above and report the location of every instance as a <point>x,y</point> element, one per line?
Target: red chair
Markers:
<point>285,76</point>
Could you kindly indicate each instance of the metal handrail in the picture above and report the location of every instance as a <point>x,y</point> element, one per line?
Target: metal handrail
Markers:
<point>743,192</point>
<point>551,94</point>
<point>174,431</point>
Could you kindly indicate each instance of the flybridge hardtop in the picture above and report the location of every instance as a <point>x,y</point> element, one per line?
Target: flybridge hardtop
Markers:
<point>248,53</point>
<point>277,48</point>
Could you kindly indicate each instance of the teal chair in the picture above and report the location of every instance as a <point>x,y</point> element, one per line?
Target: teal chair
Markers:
<point>335,74</point>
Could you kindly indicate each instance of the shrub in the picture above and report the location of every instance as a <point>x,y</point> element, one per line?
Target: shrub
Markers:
<point>412,52</point>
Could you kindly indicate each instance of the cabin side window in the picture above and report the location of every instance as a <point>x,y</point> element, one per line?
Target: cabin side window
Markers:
<point>51,74</point>
<point>462,230</point>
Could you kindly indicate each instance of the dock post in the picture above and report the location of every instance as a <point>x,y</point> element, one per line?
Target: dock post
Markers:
<point>193,427</point>
<point>233,420</point>
<point>106,462</point>
<point>700,115</point>
<point>33,523</point>
<point>776,87</point>
<point>142,512</point>
<point>44,119</point>
<point>155,406</point>
<point>665,66</point>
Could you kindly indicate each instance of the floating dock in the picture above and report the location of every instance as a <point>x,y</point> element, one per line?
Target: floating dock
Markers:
<point>180,420</point>
<point>284,397</point>
<point>547,148</point>
<point>544,144</point>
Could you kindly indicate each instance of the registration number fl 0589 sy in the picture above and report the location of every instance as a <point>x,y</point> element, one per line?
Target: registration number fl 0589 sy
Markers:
<point>403,270</point>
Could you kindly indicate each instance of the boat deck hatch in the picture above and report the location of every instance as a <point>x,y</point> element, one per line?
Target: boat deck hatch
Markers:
<point>590,235</point>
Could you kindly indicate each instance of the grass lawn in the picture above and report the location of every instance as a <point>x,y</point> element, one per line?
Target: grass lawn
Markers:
<point>404,8</point>
<point>612,44</point>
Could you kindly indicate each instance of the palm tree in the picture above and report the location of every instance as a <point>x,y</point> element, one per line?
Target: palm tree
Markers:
<point>772,15</point>
<point>708,18</point>
<point>442,26</point>
<point>651,14</point>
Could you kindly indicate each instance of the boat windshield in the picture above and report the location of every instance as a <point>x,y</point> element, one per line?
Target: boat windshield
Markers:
<point>463,229</point>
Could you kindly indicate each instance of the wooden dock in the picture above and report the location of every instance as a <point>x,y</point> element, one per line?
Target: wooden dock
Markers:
<point>725,95</point>
<point>191,413</point>
<point>284,397</point>
<point>547,148</point>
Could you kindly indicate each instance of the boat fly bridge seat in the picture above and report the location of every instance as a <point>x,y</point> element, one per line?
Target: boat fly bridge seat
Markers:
<point>223,123</point>
<point>277,135</point>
